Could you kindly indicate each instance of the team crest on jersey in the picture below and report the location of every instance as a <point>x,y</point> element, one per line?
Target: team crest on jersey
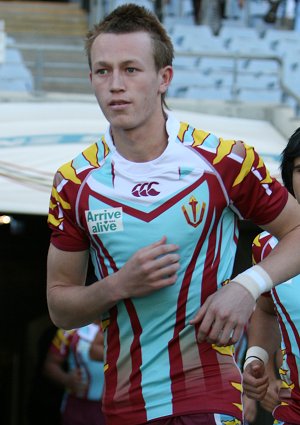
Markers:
<point>193,213</point>
<point>106,220</point>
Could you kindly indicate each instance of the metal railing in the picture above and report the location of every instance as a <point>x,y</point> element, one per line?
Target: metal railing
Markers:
<point>72,75</point>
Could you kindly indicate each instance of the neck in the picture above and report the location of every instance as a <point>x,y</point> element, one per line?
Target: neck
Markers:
<point>142,144</point>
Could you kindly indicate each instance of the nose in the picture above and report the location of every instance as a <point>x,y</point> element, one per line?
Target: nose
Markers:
<point>117,81</point>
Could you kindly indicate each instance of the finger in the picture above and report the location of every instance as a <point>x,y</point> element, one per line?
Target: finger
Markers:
<point>167,279</point>
<point>155,268</point>
<point>252,381</point>
<point>153,245</point>
<point>206,320</point>
<point>162,268</point>
<point>257,388</point>
<point>216,332</point>
<point>162,251</point>
<point>201,313</point>
<point>165,261</point>
<point>254,395</point>
<point>198,316</point>
<point>162,241</point>
<point>254,387</point>
<point>226,336</point>
<point>237,332</point>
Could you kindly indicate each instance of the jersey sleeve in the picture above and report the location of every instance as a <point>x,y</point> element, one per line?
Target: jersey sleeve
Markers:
<point>61,343</point>
<point>262,245</point>
<point>253,193</point>
<point>66,234</point>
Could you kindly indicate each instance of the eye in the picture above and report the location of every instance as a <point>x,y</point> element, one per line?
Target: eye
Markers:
<point>131,70</point>
<point>101,71</point>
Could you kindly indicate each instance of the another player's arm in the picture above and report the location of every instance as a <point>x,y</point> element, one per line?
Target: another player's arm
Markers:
<point>283,261</point>
<point>221,319</point>
<point>263,341</point>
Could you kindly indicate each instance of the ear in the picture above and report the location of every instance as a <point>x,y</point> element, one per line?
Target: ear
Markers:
<point>166,75</point>
<point>90,74</point>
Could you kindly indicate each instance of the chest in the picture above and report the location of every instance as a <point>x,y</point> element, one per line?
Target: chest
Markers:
<point>119,210</point>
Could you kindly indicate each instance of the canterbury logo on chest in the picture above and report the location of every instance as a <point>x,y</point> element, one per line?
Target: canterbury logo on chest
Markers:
<point>145,189</point>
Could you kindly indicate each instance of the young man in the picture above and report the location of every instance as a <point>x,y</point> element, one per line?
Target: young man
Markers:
<point>156,204</point>
<point>283,303</point>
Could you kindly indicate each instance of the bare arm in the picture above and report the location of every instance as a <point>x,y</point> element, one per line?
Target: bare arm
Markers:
<point>72,304</point>
<point>53,370</point>
<point>263,328</point>
<point>283,262</point>
<point>67,294</point>
<point>221,319</point>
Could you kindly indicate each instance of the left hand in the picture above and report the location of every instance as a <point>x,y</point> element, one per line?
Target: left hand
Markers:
<point>224,314</point>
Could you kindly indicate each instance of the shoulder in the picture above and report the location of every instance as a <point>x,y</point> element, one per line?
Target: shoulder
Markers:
<point>90,158</point>
<point>62,338</point>
<point>197,137</point>
<point>211,145</point>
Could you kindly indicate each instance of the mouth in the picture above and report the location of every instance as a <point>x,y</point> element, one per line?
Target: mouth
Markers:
<point>118,103</point>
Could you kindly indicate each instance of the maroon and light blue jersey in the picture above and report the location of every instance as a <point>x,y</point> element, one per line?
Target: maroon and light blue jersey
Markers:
<point>73,346</point>
<point>193,194</point>
<point>286,299</point>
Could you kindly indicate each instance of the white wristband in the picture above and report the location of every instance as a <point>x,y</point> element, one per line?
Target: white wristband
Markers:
<point>256,280</point>
<point>256,353</point>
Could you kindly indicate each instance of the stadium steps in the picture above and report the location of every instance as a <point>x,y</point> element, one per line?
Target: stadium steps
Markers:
<point>55,24</point>
<point>43,19</point>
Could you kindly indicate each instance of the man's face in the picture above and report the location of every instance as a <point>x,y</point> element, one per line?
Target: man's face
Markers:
<point>126,84</point>
<point>296,178</point>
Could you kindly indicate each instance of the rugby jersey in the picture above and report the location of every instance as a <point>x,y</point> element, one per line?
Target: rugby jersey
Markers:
<point>286,298</point>
<point>194,194</point>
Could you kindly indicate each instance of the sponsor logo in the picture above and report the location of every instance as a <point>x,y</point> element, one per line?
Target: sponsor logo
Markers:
<point>106,220</point>
<point>193,213</point>
<point>145,189</point>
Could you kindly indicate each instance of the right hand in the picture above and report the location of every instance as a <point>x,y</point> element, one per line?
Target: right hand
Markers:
<point>219,321</point>
<point>255,380</point>
<point>74,382</point>
<point>149,269</point>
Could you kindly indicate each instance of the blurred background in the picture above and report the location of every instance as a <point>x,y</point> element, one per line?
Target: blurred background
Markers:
<point>237,74</point>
